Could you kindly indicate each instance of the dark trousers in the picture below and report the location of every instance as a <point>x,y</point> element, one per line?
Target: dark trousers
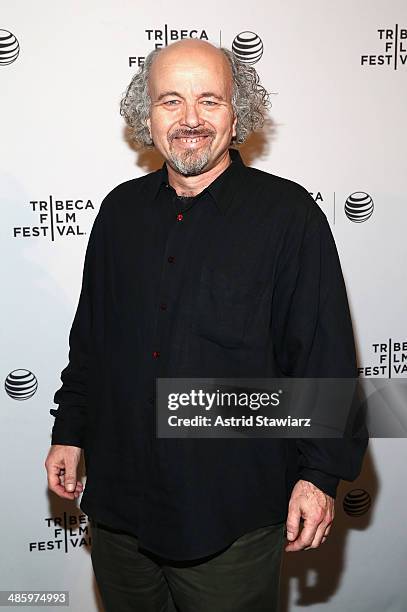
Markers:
<point>242,578</point>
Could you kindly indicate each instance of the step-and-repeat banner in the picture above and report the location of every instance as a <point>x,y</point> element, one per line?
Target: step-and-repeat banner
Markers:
<point>338,78</point>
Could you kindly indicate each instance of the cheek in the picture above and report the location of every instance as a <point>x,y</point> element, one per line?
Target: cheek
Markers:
<point>224,124</point>
<point>224,130</point>
<point>162,125</point>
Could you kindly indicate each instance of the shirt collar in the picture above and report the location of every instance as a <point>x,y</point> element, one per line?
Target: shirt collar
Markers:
<point>221,189</point>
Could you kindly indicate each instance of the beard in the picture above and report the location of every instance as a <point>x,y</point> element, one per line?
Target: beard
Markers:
<point>190,162</point>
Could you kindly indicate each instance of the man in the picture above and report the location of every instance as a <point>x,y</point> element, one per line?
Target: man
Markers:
<point>205,268</point>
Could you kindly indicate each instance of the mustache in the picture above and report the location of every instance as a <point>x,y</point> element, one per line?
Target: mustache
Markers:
<point>190,134</point>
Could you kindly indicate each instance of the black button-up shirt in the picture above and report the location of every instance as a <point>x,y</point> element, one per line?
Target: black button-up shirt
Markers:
<point>242,280</point>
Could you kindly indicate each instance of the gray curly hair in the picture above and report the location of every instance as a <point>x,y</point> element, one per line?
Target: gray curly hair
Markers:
<point>250,101</point>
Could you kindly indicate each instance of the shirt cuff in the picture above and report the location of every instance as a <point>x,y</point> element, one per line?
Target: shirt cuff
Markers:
<point>326,482</point>
<point>66,433</point>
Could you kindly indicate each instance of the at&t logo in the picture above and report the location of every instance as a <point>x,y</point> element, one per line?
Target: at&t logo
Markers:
<point>21,384</point>
<point>359,207</point>
<point>248,47</point>
<point>357,502</point>
<point>9,48</point>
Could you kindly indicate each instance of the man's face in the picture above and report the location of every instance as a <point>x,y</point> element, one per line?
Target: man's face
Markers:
<point>191,120</point>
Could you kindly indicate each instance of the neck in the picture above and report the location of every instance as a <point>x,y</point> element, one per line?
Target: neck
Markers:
<point>192,185</point>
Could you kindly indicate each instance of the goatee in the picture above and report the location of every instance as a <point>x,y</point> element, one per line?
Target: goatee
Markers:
<point>190,162</point>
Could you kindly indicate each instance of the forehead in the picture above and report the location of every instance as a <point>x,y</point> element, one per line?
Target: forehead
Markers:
<point>196,72</point>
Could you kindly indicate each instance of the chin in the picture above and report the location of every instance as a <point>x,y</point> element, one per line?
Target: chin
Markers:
<point>182,167</point>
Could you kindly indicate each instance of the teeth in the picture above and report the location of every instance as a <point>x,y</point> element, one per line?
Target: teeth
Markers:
<point>191,139</point>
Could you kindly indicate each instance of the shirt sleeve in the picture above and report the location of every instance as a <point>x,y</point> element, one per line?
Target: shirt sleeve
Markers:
<point>313,337</point>
<point>70,417</point>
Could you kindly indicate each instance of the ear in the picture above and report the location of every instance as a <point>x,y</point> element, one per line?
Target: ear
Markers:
<point>234,124</point>
<point>148,121</point>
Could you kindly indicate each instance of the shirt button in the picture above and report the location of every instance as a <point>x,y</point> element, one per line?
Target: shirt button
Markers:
<point>163,306</point>
<point>180,217</point>
<point>171,259</point>
<point>156,354</point>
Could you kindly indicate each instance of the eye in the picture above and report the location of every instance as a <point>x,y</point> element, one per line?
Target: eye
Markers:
<point>209,102</point>
<point>171,102</point>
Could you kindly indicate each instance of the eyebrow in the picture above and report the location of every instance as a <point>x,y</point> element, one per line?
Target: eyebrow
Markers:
<point>210,94</point>
<point>205,94</point>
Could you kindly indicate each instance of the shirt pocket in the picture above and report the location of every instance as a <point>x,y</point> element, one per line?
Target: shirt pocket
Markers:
<point>224,305</point>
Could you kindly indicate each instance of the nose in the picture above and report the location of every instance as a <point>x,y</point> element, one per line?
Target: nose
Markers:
<point>191,116</point>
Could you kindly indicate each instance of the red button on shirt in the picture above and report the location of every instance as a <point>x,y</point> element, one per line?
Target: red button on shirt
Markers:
<point>156,354</point>
<point>180,217</point>
<point>171,259</point>
<point>163,306</point>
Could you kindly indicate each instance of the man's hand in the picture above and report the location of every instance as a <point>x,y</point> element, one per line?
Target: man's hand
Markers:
<point>61,464</point>
<point>317,510</point>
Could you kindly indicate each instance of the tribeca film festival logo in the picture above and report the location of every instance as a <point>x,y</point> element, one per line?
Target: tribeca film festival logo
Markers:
<point>389,360</point>
<point>246,46</point>
<point>67,532</point>
<point>55,219</point>
<point>21,384</point>
<point>9,48</point>
<point>161,37</point>
<point>393,49</point>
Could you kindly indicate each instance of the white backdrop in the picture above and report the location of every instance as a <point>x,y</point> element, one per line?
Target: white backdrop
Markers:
<point>338,77</point>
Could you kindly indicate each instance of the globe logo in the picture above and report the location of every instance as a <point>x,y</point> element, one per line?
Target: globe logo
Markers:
<point>21,384</point>
<point>247,47</point>
<point>357,502</point>
<point>9,48</point>
<point>359,207</point>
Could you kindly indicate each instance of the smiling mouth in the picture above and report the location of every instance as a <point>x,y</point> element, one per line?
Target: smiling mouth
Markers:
<point>192,139</point>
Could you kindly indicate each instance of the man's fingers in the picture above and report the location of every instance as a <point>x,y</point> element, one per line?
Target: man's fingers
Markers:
<point>53,472</point>
<point>70,475</point>
<point>307,534</point>
<point>320,535</point>
<point>61,465</point>
<point>320,532</point>
<point>305,538</point>
<point>61,492</point>
<point>70,483</point>
<point>318,510</point>
<point>79,485</point>
<point>311,536</point>
<point>54,483</point>
<point>293,522</point>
